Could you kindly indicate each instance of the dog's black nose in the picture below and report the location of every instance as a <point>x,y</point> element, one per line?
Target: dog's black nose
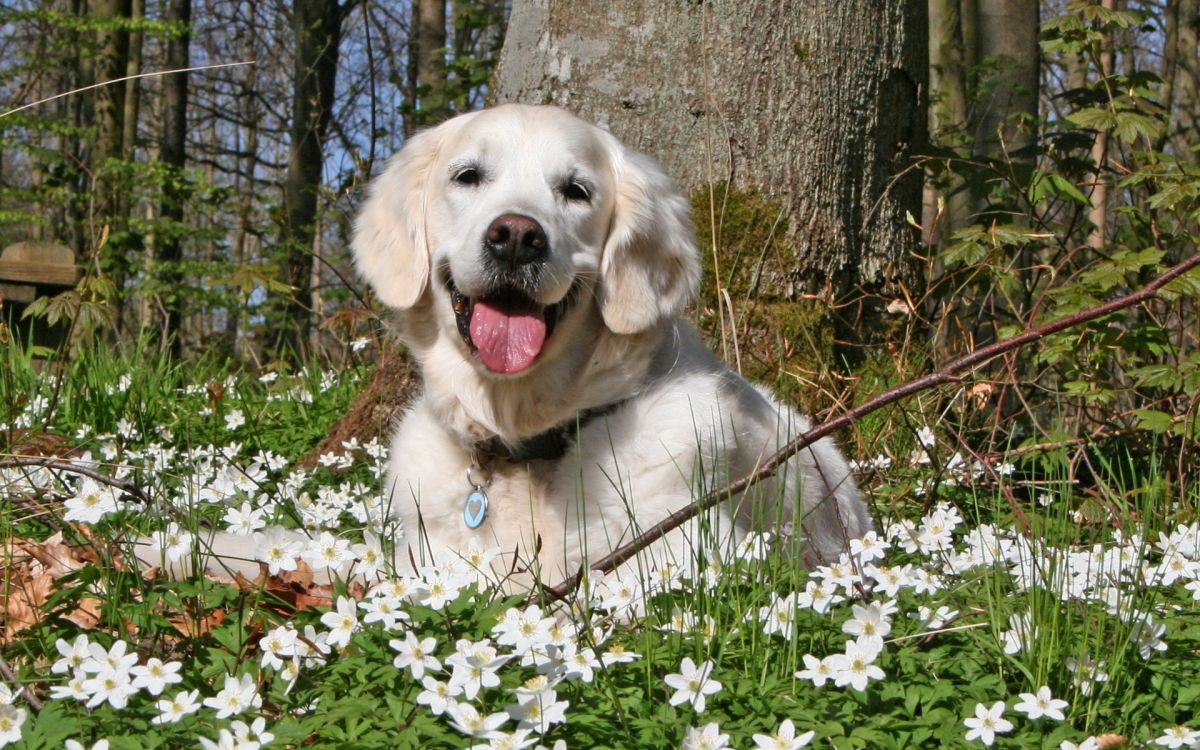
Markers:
<point>516,240</point>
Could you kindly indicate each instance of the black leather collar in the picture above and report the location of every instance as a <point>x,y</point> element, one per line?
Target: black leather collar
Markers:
<point>550,445</point>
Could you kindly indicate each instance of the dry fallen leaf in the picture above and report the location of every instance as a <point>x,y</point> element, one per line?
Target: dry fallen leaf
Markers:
<point>86,614</point>
<point>32,570</point>
<point>23,603</point>
<point>53,556</point>
<point>192,627</point>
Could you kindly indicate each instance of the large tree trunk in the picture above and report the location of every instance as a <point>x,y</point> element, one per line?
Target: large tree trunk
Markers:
<point>174,159</point>
<point>815,106</point>
<point>801,116</point>
<point>316,25</point>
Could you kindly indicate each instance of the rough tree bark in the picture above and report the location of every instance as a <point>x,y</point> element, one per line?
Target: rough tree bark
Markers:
<point>816,106</point>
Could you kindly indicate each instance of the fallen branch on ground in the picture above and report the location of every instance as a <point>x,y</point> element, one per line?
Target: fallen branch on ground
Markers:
<point>949,373</point>
<point>57,464</point>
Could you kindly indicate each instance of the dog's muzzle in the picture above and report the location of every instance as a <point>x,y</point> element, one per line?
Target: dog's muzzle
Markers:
<point>505,326</point>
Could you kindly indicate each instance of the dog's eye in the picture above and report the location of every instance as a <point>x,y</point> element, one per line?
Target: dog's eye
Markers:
<point>467,176</point>
<point>576,191</point>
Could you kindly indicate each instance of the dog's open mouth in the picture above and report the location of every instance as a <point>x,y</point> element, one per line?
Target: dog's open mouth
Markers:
<point>506,328</point>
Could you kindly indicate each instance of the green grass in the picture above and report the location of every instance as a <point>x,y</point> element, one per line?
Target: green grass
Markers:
<point>166,428</point>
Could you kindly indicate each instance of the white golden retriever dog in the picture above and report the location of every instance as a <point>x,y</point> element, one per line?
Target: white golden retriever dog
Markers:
<point>536,267</point>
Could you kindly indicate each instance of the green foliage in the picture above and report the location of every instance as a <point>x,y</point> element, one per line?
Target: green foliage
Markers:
<point>1031,254</point>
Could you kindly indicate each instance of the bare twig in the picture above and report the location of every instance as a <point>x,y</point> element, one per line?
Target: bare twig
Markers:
<point>11,677</point>
<point>49,462</point>
<point>949,373</point>
<point>120,80</point>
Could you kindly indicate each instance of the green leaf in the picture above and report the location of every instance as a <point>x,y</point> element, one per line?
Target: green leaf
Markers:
<point>1133,126</point>
<point>1153,420</point>
<point>1157,375</point>
<point>1094,117</point>
<point>1067,189</point>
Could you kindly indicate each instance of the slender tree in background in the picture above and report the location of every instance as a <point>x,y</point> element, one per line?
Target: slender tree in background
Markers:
<point>1098,211</point>
<point>1181,78</point>
<point>108,192</point>
<point>984,99</point>
<point>133,86</point>
<point>173,154</point>
<point>444,75</point>
<point>108,110</point>
<point>984,67</point>
<point>946,202</point>
<point>316,25</point>
<point>1004,113</point>
<point>428,99</point>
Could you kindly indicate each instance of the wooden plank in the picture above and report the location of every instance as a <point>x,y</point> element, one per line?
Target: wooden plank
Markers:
<point>34,251</point>
<point>21,294</point>
<point>51,274</point>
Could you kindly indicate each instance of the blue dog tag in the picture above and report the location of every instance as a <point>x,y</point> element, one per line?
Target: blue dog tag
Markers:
<point>475,509</point>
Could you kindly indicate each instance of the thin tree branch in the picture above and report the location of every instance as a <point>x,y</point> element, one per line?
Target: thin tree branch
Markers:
<point>949,373</point>
<point>121,79</point>
<point>11,677</point>
<point>49,462</point>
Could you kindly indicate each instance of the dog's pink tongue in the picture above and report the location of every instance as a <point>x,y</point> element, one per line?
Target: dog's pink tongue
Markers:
<point>508,340</point>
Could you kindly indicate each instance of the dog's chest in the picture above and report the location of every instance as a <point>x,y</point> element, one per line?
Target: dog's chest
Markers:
<point>522,504</point>
<point>448,500</point>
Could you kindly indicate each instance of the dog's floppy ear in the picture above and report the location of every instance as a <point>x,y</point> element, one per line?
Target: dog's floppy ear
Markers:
<point>650,268</point>
<point>391,251</point>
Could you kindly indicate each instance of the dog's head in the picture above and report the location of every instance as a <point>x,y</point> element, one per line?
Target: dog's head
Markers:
<point>516,219</point>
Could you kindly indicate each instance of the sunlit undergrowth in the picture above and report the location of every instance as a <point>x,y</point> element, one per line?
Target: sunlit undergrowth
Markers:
<point>1007,583</point>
